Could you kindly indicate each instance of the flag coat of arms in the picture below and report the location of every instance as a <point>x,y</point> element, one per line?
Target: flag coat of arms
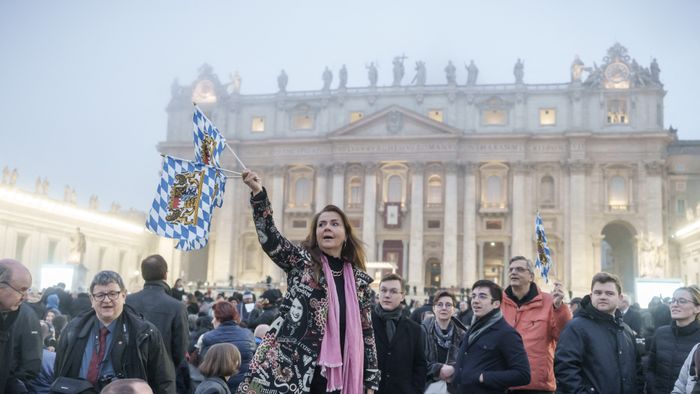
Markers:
<point>185,199</point>
<point>208,141</point>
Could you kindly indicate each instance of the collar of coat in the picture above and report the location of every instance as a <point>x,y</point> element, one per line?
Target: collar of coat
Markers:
<point>158,284</point>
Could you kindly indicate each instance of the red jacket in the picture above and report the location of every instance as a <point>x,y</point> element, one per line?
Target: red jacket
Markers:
<point>539,324</point>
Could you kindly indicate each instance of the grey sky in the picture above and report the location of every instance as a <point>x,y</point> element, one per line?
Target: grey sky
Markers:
<point>84,84</point>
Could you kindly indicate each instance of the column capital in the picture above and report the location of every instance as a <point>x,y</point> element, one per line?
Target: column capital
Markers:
<point>520,167</point>
<point>322,169</point>
<point>655,167</point>
<point>577,166</point>
<point>338,168</point>
<point>278,170</point>
<point>451,166</point>
<point>370,167</point>
<point>418,167</point>
<point>469,167</point>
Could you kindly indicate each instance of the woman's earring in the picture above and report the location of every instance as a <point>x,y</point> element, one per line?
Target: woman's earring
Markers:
<point>344,241</point>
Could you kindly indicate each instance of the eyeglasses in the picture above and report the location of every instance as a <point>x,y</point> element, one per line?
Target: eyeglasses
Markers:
<point>112,295</point>
<point>446,305</point>
<point>481,296</point>
<point>23,293</point>
<point>680,301</point>
<point>390,291</point>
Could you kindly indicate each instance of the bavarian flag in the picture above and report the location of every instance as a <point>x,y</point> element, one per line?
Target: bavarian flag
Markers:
<point>544,257</point>
<point>208,141</point>
<point>184,201</point>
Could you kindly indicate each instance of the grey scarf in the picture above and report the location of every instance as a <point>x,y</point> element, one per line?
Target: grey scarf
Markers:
<point>390,318</point>
<point>479,326</point>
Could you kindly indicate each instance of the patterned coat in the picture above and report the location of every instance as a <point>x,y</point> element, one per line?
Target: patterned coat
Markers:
<point>286,359</point>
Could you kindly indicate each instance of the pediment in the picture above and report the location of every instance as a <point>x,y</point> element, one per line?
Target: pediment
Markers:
<point>394,121</point>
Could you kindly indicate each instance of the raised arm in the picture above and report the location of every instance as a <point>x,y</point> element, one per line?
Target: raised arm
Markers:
<point>282,252</point>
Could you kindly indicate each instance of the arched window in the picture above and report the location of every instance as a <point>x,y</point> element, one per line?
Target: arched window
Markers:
<point>302,195</point>
<point>493,187</point>
<point>618,192</point>
<point>434,190</point>
<point>547,190</point>
<point>355,199</point>
<point>394,186</point>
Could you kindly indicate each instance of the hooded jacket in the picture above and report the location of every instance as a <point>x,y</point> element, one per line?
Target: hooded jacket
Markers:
<point>668,351</point>
<point>597,353</point>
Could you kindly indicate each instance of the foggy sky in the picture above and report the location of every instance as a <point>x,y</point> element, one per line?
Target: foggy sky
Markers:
<point>84,84</point>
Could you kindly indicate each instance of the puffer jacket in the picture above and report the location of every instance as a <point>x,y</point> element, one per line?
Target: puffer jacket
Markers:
<point>668,351</point>
<point>242,338</point>
<point>596,353</point>
<point>540,325</point>
<point>687,380</point>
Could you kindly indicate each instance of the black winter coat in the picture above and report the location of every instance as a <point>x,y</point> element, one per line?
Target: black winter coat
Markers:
<point>262,316</point>
<point>498,354</point>
<point>156,305</point>
<point>402,360</point>
<point>597,352</point>
<point>669,349</point>
<point>431,350</point>
<point>20,349</point>
<point>137,353</point>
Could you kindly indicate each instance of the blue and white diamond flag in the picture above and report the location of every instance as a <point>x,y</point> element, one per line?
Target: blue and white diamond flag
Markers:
<point>208,141</point>
<point>185,199</point>
<point>544,257</point>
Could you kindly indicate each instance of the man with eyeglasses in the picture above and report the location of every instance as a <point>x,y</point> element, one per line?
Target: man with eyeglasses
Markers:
<point>399,341</point>
<point>539,317</point>
<point>20,340</point>
<point>112,341</point>
<point>597,352</point>
<point>492,356</point>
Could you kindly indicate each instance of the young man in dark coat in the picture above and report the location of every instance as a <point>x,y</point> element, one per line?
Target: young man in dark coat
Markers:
<point>399,341</point>
<point>156,304</point>
<point>492,356</point>
<point>113,341</point>
<point>597,350</point>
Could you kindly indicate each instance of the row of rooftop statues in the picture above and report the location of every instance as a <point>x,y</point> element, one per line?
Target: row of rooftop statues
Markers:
<point>398,71</point>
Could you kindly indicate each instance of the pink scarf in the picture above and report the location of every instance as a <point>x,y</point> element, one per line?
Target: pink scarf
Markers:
<point>345,374</point>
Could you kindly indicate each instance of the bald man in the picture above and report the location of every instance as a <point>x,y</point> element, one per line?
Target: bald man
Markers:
<point>20,339</point>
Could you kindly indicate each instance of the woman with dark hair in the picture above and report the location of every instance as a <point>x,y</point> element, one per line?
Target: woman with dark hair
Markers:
<point>227,330</point>
<point>178,290</point>
<point>333,349</point>
<point>443,335</point>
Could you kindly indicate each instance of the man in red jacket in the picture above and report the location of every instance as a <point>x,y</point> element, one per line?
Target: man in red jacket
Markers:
<point>539,318</point>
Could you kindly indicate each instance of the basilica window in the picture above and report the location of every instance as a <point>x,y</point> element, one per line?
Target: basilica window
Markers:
<point>547,192</point>
<point>436,115</point>
<point>355,195</point>
<point>494,186</point>
<point>617,196</point>
<point>257,124</point>
<point>434,191</point>
<point>548,116</point>
<point>355,116</point>
<point>495,117</point>
<point>394,186</point>
<point>302,122</point>
<point>617,112</point>
<point>302,192</point>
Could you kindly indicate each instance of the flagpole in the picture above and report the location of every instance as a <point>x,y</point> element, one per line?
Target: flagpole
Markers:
<point>216,168</point>
<point>236,156</point>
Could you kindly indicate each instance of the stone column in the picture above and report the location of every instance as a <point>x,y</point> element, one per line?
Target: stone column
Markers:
<point>520,235</point>
<point>369,211</point>
<point>480,263</point>
<point>404,260</point>
<point>321,177</point>
<point>416,271</point>
<point>576,234</point>
<point>654,213</point>
<point>338,197</point>
<point>449,246</point>
<point>221,261</point>
<point>469,261</point>
<point>278,203</point>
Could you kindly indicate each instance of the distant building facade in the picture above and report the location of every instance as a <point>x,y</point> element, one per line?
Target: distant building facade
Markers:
<point>61,241</point>
<point>445,180</point>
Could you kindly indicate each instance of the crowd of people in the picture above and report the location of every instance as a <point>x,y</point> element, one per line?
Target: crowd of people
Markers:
<point>332,332</point>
